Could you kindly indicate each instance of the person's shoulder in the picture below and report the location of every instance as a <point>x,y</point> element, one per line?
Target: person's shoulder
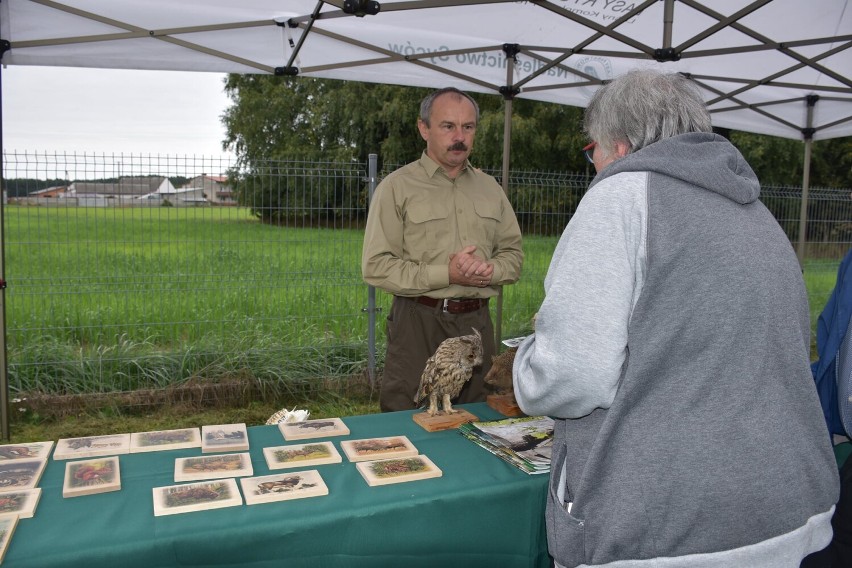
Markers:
<point>621,181</point>
<point>619,188</point>
<point>482,177</point>
<point>410,169</point>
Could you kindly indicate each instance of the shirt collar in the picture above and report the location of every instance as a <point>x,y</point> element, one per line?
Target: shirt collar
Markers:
<point>431,166</point>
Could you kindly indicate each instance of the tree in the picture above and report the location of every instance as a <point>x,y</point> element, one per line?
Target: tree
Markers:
<point>780,161</point>
<point>297,118</point>
<point>303,118</point>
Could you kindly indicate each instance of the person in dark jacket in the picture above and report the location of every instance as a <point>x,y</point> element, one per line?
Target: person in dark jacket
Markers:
<point>672,348</point>
<point>833,377</point>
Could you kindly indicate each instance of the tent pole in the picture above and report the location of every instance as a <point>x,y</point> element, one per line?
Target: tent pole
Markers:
<point>511,50</point>
<point>4,378</point>
<point>668,19</point>
<point>808,133</point>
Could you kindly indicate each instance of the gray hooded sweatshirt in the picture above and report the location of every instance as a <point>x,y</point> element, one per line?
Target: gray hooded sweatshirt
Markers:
<point>672,347</point>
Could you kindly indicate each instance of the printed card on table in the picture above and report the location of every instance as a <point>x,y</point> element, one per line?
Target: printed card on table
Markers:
<point>22,503</point>
<point>319,428</point>
<point>21,474</point>
<point>92,446</point>
<point>376,448</point>
<point>397,470</point>
<point>301,455</point>
<point>165,440</point>
<point>224,438</point>
<point>283,486</point>
<point>88,477</point>
<point>213,467</point>
<point>200,496</point>
<point>25,451</point>
<point>7,529</point>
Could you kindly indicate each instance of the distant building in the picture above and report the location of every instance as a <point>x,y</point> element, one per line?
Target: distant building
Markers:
<point>214,189</point>
<point>55,191</point>
<point>128,187</point>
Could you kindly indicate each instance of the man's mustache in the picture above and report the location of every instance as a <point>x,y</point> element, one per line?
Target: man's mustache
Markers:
<point>458,147</point>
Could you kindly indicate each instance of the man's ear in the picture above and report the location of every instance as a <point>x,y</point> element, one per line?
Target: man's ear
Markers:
<point>423,128</point>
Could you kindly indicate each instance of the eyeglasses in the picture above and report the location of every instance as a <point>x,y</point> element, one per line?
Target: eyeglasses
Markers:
<point>589,151</point>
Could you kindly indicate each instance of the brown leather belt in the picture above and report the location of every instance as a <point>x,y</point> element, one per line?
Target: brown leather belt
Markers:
<point>451,306</point>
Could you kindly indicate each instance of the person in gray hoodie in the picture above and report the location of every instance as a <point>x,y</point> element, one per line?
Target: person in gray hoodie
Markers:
<point>672,348</point>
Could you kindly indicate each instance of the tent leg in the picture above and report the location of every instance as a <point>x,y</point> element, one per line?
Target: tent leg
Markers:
<point>4,377</point>
<point>803,213</point>
<point>808,133</point>
<point>508,95</point>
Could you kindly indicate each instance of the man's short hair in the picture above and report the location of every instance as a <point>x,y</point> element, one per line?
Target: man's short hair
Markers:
<point>429,100</point>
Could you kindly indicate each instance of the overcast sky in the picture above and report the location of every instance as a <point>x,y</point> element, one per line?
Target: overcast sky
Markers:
<point>60,109</point>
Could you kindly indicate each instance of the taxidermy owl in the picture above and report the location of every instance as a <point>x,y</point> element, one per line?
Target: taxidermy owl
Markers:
<point>447,371</point>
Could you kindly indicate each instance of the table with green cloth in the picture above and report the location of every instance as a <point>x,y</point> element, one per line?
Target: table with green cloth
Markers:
<point>480,512</point>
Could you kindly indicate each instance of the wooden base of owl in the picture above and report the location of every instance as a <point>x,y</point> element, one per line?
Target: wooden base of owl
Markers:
<point>443,421</point>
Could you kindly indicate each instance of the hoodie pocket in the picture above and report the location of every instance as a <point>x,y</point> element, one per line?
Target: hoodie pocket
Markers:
<point>565,532</point>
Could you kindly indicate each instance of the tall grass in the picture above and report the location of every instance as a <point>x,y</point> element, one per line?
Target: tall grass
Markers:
<point>119,299</point>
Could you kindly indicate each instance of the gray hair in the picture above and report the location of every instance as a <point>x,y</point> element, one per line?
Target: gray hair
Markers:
<point>644,106</point>
<point>429,100</point>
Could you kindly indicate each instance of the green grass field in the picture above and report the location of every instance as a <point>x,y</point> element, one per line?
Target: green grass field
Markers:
<point>118,299</point>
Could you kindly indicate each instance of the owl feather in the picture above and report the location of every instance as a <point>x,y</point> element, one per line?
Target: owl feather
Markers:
<point>448,370</point>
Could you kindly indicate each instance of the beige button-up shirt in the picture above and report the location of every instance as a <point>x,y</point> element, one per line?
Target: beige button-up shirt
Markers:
<point>419,216</point>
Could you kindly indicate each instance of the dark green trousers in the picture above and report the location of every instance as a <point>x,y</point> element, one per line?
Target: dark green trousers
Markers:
<point>414,332</point>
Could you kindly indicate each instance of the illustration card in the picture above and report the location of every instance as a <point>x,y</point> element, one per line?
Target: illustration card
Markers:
<point>213,467</point>
<point>87,477</point>
<point>397,470</point>
<point>175,499</point>
<point>224,438</point>
<point>301,455</point>
<point>22,503</point>
<point>20,474</point>
<point>165,440</point>
<point>7,529</point>
<point>319,428</point>
<point>283,486</point>
<point>376,448</point>
<point>25,451</point>
<point>92,446</point>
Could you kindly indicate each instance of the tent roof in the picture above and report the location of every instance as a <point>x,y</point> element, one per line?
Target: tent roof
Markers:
<point>759,63</point>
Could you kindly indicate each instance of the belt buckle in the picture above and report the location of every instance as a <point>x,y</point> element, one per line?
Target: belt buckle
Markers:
<point>446,304</point>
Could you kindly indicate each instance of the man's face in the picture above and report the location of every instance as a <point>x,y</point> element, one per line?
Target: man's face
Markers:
<point>449,136</point>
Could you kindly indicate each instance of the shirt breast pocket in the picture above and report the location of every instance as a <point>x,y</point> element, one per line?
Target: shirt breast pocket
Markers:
<point>429,232</point>
<point>486,222</point>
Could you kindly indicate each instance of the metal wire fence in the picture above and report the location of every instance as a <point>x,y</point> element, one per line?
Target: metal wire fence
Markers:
<point>140,274</point>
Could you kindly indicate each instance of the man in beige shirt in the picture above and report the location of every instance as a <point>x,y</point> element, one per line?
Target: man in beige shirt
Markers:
<point>441,237</point>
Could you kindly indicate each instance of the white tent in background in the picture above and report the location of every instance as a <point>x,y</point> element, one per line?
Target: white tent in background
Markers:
<point>777,67</point>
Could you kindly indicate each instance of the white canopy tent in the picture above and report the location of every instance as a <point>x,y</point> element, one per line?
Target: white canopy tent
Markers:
<point>757,61</point>
<point>777,67</point>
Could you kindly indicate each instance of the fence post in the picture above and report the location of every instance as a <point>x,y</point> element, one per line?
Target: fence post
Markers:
<point>372,174</point>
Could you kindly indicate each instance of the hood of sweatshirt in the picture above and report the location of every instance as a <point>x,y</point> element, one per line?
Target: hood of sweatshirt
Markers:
<point>701,159</point>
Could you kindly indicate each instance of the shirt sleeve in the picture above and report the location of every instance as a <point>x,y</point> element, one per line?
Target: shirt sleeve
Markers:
<point>572,364</point>
<point>508,254</point>
<point>382,260</point>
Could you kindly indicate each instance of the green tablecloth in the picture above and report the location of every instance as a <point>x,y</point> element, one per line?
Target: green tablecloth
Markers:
<point>481,512</point>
